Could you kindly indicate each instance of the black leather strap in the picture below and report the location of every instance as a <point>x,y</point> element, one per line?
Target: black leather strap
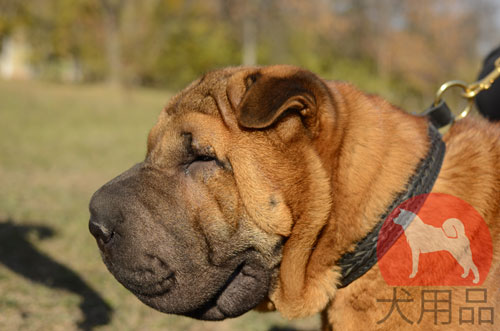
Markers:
<point>356,263</point>
<point>439,115</point>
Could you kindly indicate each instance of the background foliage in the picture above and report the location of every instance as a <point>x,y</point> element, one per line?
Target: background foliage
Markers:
<point>167,43</point>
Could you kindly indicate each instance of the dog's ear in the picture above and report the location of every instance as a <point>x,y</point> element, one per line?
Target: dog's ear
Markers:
<point>271,92</point>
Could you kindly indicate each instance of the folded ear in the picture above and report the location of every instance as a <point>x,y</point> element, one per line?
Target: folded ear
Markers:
<point>273,91</point>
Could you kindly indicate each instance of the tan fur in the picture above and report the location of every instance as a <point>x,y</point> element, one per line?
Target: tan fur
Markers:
<point>332,168</point>
<point>470,172</point>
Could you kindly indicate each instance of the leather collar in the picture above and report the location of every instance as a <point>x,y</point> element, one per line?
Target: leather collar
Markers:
<point>356,263</point>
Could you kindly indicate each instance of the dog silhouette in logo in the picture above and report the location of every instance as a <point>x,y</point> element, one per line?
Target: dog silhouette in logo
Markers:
<point>425,238</point>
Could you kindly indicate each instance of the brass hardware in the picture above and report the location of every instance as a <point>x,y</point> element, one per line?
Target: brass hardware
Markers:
<point>463,86</point>
<point>470,91</point>
<point>483,84</point>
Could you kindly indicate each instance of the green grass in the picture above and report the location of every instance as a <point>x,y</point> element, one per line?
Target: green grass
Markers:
<point>58,144</point>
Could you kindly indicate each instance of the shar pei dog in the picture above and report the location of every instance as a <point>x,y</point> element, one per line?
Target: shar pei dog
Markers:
<point>266,188</point>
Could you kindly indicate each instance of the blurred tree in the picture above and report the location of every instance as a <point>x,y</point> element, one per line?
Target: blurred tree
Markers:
<point>405,44</point>
<point>250,33</point>
<point>112,13</point>
<point>172,42</point>
<point>58,31</point>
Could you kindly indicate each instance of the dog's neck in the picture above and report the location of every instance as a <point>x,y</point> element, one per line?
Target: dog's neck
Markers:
<point>379,149</point>
<point>368,250</point>
<point>369,150</point>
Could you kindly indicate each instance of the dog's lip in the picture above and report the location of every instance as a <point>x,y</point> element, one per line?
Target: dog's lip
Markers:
<point>213,309</point>
<point>153,289</point>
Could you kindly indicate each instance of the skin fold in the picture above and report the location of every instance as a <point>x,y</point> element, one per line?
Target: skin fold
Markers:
<point>258,179</point>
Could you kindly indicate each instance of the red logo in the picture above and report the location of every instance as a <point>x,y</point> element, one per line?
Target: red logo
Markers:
<point>434,239</point>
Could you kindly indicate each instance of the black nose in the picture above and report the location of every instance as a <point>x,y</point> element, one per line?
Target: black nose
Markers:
<point>114,203</point>
<point>100,232</point>
<point>105,214</point>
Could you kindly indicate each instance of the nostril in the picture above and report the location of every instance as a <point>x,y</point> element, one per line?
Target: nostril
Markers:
<point>101,233</point>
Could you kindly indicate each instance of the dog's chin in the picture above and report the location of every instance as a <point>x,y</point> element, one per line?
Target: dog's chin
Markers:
<point>244,290</point>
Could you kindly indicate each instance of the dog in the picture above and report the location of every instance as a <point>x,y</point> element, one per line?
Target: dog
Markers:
<point>258,180</point>
<point>450,237</point>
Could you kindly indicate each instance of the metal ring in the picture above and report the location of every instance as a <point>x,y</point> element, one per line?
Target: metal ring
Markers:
<point>469,91</point>
<point>446,86</point>
<point>466,111</point>
<point>455,83</point>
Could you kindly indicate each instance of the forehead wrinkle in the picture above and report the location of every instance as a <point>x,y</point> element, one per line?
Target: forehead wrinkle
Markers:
<point>195,101</point>
<point>174,106</point>
<point>166,149</point>
<point>194,96</point>
<point>207,130</point>
<point>218,93</point>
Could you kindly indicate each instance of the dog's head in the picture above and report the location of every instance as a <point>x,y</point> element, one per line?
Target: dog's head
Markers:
<point>199,227</point>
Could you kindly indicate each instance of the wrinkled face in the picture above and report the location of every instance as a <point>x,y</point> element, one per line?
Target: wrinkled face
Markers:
<point>197,228</point>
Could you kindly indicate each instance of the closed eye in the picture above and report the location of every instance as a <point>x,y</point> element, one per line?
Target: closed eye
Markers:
<point>202,163</point>
<point>204,158</point>
<point>201,157</point>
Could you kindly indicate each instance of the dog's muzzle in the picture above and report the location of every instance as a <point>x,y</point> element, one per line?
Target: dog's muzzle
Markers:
<point>153,247</point>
